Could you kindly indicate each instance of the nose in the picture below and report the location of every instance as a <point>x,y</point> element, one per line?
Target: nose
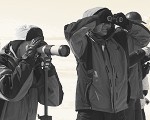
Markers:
<point>108,26</point>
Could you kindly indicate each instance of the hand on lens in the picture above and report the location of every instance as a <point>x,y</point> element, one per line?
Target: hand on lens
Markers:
<point>31,48</point>
<point>31,51</point>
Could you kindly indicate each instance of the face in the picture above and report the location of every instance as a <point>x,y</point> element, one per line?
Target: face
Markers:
<point>27,44</point>
<point>102,29</point>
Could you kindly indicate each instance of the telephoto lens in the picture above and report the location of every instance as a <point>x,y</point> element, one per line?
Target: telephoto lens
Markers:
<point>59,50</point>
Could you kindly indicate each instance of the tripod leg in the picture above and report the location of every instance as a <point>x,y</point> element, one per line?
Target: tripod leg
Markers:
<point>47,63</point>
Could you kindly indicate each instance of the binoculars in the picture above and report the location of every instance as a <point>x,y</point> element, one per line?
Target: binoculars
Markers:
<point>114,20</point>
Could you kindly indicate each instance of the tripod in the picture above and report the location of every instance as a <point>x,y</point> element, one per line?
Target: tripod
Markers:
<point>47,64</point>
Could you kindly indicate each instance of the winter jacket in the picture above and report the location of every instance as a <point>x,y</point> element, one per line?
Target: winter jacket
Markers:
<point>138,37</point>
<point>102,69</point>
<point>22,87</point>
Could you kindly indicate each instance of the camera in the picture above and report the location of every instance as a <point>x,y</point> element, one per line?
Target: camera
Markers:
<point>59,50</point>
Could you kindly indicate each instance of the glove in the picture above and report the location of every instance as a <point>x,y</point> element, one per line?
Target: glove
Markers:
<point>30,56</point>
<point>104,16</point>
<point>145,92</point>
<point>121,20</point>
<point>147,50</point>
<point>147,101</point>
<point>145,59</point>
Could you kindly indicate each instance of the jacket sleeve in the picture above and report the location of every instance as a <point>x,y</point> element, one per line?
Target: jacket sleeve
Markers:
<point>15,83</point>
<point>75,34</point>
<point>136,57</point>
<point>139,35</point>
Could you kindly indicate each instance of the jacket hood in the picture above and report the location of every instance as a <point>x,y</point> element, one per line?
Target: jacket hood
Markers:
<point>92,11</point>
<point>104,12</point>
<point>28,32</point>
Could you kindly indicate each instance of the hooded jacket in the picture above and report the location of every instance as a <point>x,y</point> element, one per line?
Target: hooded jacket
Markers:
<point>102,70</point>
<point>138,37</point>
<point>22,86</point>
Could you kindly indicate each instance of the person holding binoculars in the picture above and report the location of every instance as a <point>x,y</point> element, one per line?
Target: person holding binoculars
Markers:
<point>22,77</point>
<point>103,63</point>
<point>138,37</point>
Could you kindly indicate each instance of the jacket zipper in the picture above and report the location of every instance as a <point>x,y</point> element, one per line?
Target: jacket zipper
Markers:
<point>111,82</point>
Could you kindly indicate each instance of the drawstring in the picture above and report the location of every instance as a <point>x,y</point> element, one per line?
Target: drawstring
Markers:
<point>99,40</point>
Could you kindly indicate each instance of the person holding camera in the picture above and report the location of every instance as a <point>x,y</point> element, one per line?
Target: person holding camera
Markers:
<point>22,77</point>
<point>103,63</point>
<point>138,37</point>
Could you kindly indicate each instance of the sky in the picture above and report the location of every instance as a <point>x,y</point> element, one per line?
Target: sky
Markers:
<point>52,15</point>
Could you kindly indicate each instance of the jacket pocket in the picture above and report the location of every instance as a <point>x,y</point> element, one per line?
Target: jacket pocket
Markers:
<point>83,87</point>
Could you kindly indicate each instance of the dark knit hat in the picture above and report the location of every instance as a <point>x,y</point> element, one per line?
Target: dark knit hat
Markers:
<point>33,33</point>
